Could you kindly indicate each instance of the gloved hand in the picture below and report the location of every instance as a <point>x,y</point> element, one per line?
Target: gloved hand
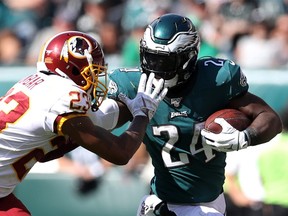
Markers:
<point>230,139</point>
<point>151,205</point>
<point>147,99</point>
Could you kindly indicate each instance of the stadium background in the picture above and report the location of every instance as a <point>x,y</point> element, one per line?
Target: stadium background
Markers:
<point>118,25</point>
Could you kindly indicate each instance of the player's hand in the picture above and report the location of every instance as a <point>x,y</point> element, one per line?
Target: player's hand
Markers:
<point>152,205</point>
<point>230,139</point>
<point>148,98</point>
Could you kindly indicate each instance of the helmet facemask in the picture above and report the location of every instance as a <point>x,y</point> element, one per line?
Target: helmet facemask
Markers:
<point>96,80</point>
<point>171,66</point>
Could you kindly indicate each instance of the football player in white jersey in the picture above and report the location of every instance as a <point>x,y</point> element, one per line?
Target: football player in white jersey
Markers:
<point>44,115</point>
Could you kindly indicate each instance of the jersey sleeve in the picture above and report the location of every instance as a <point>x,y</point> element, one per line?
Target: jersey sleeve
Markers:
<point>72,103</point>
<point>224,75</point>
<point>107,114</point>
<point>124,81</point>
<point>238,80</point>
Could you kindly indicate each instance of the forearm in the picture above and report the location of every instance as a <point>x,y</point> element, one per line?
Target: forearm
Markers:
<point>118,149</point>
<point>115,149</point>
<point>264,128</point>
<point>133,136</point>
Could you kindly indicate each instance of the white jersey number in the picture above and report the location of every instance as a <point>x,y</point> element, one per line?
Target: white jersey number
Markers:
<point>173,137</point>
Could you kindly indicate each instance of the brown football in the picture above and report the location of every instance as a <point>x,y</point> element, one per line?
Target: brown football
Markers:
<point>234,117</point>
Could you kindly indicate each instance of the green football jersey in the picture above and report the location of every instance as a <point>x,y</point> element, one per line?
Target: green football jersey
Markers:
<point>186,171</point>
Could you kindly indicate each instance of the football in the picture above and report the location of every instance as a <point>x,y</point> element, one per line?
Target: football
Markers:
<point>234,117</point>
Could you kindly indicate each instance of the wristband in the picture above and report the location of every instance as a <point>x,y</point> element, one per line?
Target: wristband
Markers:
<point>250,135</point>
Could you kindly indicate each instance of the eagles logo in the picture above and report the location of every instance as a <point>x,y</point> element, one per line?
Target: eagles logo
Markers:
<point>243,79</point>
<point>112,87</point>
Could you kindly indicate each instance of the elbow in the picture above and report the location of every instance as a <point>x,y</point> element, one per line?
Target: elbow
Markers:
<point>120,158</point>
<point>279,125</point>
<point>275,124</point>
<point>126,157</point>
<point>121,161</point>
<point>280,128</point>
<point>276,127</point>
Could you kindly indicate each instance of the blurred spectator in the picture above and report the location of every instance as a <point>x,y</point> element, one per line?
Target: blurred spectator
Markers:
<point>130,50</point>
<point>235,19</point>
<point>21,16</point>
<point>280,33</point>
<point>273,165</point>
<point>272,9</point>
<point>96,12</point>
<point>108,33</point>
<point>63,21</point>
<point>239,9</point>
<point>138,13</point>
<point>87,167</point>
<point>221,25</point>
<point>10,48</point>
<point>92,17</point>
<point>257,49</point>
<point>244,191</point>
<point>196,10</point>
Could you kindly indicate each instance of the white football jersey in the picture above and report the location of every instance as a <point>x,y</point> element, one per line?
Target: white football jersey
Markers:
<point>27,115</point>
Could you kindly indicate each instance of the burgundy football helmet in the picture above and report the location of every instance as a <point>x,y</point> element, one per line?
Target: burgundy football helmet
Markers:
<point>79,57</point>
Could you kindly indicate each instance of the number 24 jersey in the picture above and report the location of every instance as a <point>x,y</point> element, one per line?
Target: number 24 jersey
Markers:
<point>186,171</point>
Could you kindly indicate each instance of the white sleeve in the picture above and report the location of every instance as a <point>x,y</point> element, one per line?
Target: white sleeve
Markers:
<point>106,116</point>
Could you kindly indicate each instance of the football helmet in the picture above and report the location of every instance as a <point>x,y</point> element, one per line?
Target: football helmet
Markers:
<point>169,48</point>
<point>76,56</point>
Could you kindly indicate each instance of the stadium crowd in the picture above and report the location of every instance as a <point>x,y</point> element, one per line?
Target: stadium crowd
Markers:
<point>253,33</point>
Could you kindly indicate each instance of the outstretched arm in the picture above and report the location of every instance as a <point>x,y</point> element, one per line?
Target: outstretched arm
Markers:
<point>118,149</point>
<point>115,149</point>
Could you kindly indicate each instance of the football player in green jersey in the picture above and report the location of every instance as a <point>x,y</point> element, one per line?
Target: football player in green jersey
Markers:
<point>188,161</point>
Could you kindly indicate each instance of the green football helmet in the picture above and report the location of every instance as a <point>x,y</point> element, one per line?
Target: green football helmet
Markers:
<point>169,48</point>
